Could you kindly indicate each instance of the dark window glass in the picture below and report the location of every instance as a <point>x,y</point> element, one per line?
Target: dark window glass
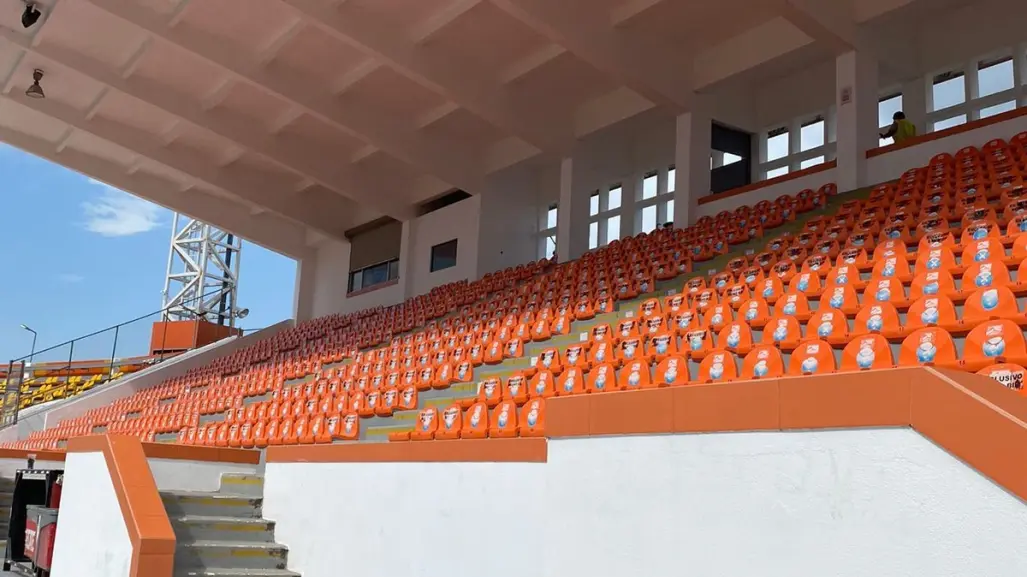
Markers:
<point>373,275</point>
<point>443,255</point>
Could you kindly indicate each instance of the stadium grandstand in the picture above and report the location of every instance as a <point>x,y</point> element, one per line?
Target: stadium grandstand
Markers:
<point>632,286</point>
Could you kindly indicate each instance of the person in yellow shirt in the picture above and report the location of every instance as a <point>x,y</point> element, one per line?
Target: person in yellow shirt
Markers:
<point>901,129</point>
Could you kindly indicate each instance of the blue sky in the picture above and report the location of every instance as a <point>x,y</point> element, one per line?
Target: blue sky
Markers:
<point>79,256</point>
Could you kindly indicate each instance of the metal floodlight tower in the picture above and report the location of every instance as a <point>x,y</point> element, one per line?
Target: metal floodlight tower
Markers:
<point>203,273</point>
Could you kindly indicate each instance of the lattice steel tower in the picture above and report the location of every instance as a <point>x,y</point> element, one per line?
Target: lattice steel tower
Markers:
<point>203,273</point>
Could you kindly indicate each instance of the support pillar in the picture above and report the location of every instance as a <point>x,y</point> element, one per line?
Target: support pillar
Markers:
<point>914,103</point>
<point>1020,73</point>
<point>303,294</point>
<point>407,259</point>
<point>856,94</point>
<point>692,161</point>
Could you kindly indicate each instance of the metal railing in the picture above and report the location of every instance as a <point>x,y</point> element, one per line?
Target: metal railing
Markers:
<point>103,355</point>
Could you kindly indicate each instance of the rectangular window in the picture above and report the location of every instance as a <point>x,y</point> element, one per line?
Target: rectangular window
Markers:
<point>811,162</point>
<point>612,229</point>
<point>550,247</point>
<point>777,144</point>
<point>777,172</point>
<point>887,108</point>
<point>613,198</point>
<point>551,216</point>
<point>648,219</point>
<point>593,204</point>
<point>593,235</point>
<point>671,178</point>
<point>443,256</point>
<point>949,90</point>
<point>950,122</point>
<point>649,186</point>
<point>812,135</point>
<point>373,275</point>
<point>376,274</point>
<point>670,210</point>
<point>994,76</point>
<point>998,109</point>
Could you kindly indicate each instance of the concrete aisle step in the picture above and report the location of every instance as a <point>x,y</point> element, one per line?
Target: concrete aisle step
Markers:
<point>235,573</point>
<point>181,503</point>
<point>234,554</point>
<point>212,528</point>
<point>242,484</point>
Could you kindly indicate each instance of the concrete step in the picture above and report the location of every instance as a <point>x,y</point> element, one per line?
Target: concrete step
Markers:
<point>182,503</point>
<point>190,528</point>
<point>242,484</point>
<point>235,573</point>
<point>230,554</point>
<point>384,431</point>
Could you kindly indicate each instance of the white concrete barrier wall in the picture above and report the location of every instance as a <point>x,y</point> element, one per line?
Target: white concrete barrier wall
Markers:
<point>771,192</point>
<point>8,467</point>
<point>92,539</point>
<point>841,503</point>
<point>182,475</point>
<point>891,165</point>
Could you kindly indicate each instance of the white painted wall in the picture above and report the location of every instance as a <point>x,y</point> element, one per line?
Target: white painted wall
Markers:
<point>808,91</point>
<point>511,216</point>
<point>92,539</point>
<point>331,276</point>
<point>468,519</point>
<point>926,32</point>
<point>891,165</point>
<point>460,221</point>
<point>8,467</point>
<point>813,181</point>
<point>883,502</point>
<point>181,475</point>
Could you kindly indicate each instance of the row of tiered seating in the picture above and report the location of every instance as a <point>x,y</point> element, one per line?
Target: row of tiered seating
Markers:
<point>466,325</point>
<point>927,270</point>
<point>930,270</point>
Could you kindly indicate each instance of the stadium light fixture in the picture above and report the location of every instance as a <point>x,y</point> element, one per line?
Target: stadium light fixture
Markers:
<point>36,91</point>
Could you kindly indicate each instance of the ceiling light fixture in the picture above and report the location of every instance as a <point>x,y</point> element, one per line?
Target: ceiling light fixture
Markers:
<point>36,91</point>
<point>30,15</point>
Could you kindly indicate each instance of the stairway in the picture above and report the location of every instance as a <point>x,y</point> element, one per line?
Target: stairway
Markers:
<point>222,534</point>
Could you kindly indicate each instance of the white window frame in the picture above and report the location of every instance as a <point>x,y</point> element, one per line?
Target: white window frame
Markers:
<point>796,156</point>
<point>664,212</point>
<point>973,103</point>
<point>545,232</point>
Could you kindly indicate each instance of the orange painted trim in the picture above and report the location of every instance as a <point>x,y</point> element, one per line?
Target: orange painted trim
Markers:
<point>970,416</point>
<point>966,127</point>
<point>769,182</point>
<point>153,539</point>
<point>209,454</point>
<point>458,451</point>
<point>23,454</point>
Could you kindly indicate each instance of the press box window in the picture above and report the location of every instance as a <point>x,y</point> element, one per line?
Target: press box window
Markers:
<point>376,274</point>
<point>443,255</point>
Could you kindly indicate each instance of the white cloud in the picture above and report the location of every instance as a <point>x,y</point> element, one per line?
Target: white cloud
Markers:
<point>70,278</point>
<point>116,213</point>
